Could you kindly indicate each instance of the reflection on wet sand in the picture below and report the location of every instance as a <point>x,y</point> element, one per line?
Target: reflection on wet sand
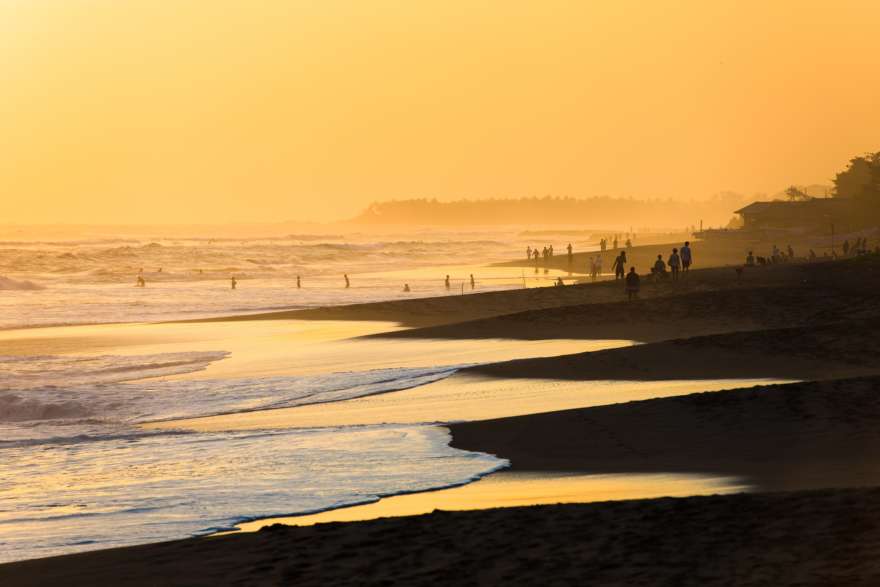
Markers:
<point>511,488</point>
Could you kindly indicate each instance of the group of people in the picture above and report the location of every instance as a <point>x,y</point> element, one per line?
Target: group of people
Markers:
<point>777,255</point>
<point>447,283</point>
<point>233,282</point>
<point>546,253</point>
<point>677,263</point>
<point>603,243</point>
<point>860,247</point>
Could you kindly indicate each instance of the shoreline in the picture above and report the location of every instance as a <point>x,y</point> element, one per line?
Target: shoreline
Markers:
<point>795,437</point>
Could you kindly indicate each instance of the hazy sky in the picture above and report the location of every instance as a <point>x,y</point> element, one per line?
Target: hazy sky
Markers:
<point>251,110</point>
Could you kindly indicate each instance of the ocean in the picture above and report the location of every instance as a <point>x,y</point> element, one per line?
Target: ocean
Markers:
<point>77,469</point>
<point>91,281</point>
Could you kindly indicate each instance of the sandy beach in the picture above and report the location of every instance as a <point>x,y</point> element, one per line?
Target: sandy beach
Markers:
<point>765,384</point>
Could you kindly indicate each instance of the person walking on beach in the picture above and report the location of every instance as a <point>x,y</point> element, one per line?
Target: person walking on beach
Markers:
<point>674,264</point>
<point>570,254</point>
<point>233,282</point>
<point>750,259</point>
<point>448,286</point>
<point>473,283</point>
<point>550,251</point>
<point>615,242</point>
<point>632,284</point>
<point>529,253</point>
<point>603,244</point>
<point>790,252</point>
<point>619,267</point>
<point>347,282</point>
<point>686,257</point>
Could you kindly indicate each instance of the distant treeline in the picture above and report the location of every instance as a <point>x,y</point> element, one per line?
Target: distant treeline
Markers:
<point>600,211</point>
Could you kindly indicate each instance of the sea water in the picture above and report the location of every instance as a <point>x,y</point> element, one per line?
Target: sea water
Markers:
<point>79,473</point>
<point>93,280</point>
<point>77,470</point>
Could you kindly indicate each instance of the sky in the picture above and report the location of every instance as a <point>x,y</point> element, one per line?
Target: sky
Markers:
<point>145,111</point>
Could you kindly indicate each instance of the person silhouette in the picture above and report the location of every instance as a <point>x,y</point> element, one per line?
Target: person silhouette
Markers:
<point>659,269</point>
<point>686,256</point>
<point>347,282</point>
<point>298,283</point>
<point>473,283</point>
<point>447,282</point>
<point>619,266</point>
<point>406,287</point>
<point>233,282</point>
<point>632,284</point>
<point>674,264</point>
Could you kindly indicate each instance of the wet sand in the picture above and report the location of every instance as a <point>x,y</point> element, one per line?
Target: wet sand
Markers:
<point>806,435</point>
<point>517,488</point>
<point>461,397</point>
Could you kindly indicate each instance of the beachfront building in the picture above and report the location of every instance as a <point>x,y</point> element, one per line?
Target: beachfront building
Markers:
<point>815,214</point>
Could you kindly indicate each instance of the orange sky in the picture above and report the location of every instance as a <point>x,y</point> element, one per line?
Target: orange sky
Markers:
<point>258,110</point>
